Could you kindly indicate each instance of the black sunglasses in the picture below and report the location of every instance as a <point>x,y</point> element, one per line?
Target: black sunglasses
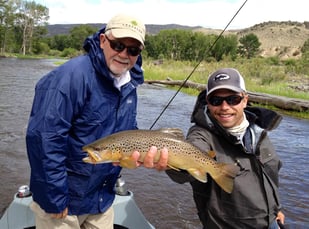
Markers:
<point>231,100</point>
<point>119,47</point>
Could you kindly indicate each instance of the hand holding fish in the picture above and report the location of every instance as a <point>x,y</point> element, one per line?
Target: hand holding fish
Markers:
<point>149,159</point>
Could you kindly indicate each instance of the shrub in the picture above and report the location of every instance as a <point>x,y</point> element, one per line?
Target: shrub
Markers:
<point>69,52</point>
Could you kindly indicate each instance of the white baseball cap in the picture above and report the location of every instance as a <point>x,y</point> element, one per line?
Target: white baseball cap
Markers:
<point>123,25</point>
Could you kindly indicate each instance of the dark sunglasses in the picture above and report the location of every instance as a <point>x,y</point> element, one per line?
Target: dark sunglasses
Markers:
<point>119,47</point>
<point>231,100</point>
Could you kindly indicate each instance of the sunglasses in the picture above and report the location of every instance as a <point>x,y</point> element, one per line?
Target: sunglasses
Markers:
<point>231,100</point>
<point>119,47</point>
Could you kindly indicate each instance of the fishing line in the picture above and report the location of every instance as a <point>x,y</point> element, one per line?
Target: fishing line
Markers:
<point>196,66</point>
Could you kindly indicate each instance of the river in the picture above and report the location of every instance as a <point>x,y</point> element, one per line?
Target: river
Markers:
<point>165,204</point>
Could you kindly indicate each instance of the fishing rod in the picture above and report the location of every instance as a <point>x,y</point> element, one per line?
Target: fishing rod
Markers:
<point>196,66</point>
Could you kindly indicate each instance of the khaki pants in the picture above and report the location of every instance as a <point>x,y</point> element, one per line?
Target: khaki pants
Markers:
<point>43,220</point>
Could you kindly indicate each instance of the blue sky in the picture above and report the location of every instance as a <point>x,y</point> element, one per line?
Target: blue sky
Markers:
<point>207,13</point>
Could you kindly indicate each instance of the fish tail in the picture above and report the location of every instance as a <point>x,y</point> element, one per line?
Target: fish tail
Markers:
<point>225,176</point>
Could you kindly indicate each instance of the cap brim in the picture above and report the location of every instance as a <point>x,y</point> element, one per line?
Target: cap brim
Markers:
<point>236,89</point>
<point>121,33</point>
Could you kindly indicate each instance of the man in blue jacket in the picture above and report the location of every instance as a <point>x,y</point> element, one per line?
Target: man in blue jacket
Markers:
<point>87,98</point>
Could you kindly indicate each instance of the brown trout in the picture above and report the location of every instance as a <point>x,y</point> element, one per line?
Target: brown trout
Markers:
<point>182,155</point>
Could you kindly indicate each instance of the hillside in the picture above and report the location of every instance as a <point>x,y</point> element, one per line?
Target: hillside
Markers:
<point>283,39</point>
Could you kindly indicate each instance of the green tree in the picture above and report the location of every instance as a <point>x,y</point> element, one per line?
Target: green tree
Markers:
<point>29,17</point>
<point>3,9</point>
<point>171,42</point>
<point>59,42</point>
<point>152,46</point>
<point>7,28</point>
<point>39,45</point>
<point>305,47</point>
<point>200,46</point>
<point>231,43</point>
<point>78,35</point>
<point>188,45</point>
<point>249,45</point>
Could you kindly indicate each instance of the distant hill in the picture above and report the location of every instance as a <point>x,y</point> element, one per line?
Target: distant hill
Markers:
<point>283,39</point>
<point>151,29</point>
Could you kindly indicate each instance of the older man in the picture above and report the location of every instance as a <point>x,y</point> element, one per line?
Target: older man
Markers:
<point>87,98</point>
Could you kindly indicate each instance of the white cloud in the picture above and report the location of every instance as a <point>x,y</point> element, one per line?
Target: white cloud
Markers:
<point>206,13</point>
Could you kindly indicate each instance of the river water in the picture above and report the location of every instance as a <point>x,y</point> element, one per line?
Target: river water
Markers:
<point>165,204</point>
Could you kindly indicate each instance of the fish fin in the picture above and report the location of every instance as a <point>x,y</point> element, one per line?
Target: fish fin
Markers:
<point>226,175</point>
<point>198,174</point>
<point>172,167</point>
<point>128,162</point>
<point>176,132</point>
<point>211,154</point>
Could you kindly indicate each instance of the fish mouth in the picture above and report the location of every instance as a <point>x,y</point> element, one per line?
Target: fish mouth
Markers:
<point>93,157</point>
<point>90,160</point>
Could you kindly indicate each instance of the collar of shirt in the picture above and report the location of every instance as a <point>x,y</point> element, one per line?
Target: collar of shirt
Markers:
<point>121,80</point>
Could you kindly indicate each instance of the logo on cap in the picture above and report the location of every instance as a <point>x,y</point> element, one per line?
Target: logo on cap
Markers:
<point>134,23</point>
<point>222,77</point>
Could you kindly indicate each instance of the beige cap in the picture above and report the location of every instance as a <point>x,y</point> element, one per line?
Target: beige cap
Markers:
<point>123,25</point>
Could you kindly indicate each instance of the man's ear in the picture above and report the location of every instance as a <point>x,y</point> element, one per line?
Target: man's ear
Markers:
<point>102,40</point>
<point>246,98</point>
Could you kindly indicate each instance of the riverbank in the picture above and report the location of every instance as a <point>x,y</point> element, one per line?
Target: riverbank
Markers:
<point>260,76</point>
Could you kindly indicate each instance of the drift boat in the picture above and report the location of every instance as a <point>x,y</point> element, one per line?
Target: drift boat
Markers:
<point>127,214</point>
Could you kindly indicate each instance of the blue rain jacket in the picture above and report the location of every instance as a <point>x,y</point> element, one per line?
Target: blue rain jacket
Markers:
<point>76,104</point>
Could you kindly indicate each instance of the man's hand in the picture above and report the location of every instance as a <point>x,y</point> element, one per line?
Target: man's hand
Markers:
<point>60,215</point>
<point>150,156</point>
<point>280,217</point>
